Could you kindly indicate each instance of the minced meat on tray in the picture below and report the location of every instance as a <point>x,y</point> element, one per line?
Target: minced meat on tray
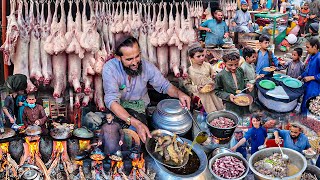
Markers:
<point>228,167</point>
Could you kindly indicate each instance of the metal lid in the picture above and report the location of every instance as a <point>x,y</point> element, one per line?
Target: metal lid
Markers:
<point>8,132</point>
<point>30,174</point>
<point>83,132</point>
<point>170,107</point>
<point>33,130</point>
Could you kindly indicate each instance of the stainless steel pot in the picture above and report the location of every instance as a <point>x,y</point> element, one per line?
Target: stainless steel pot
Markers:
<point>296,158</point>
<point>170,116</point>
<point>200,174</point>
<point>313,170</point>
<point>213,159</point>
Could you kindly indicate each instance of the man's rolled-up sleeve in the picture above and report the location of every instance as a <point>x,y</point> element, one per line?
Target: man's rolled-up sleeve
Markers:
<point>157,80</point>
<point>110,87</point>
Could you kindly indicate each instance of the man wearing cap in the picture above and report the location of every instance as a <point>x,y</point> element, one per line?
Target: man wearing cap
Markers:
<point>313,31</point>
<point>242,21</point>
<point>125,80</point>
<point>216,29</point>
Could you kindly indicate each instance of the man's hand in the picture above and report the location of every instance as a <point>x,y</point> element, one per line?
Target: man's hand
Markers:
<point>250,86</point>
<point>208,30</point>
<point>142,129</point>
<point>277,140</point>
<point>99,143</point>
<point>12,120</point>
<point>37,122</point>
<point>260,76</point>
<point>226,35</point>
<point>282,62</point>
<point>233,149</point>
<point>120,143</point>
<point>231,97</point>
<point>184,99</point>
<point>20,103</point>
<point>308,78</point>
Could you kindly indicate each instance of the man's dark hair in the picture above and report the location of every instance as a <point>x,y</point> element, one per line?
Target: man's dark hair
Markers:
<point>218,10</point>
<point>32,94</point>
<point>299,51</point>
<point>126,41</point>
<point>314,42</point>
<point>193,51</point>
<point>248,52</point>
<point>264,38</point>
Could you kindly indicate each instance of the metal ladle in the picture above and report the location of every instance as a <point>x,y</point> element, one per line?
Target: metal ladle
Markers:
<point>284,156</point>
<point>240,91</point>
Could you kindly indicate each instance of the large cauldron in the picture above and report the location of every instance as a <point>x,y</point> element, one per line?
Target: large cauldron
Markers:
<point>313,170</point>
<point>222,132</point>
<point>170,116</point>
<point>296,158</point>
<point>201,173</point>
<point>213,159</point>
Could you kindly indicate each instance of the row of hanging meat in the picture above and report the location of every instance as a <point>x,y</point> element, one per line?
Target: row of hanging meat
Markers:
<point>56,51</point>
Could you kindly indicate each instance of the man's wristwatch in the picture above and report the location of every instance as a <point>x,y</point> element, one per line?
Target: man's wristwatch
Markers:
<point>128,120</point>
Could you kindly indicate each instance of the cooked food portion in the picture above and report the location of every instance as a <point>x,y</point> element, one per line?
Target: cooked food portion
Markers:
<point>115,158</point>
<point>273,166</point>
<point>97,157</point>
<point>314,106</point>
<point>269,69</point>
<point>242,100</point>
<point>228,167</point>
<point>170,149</point>
<point>308,176</point>
<point>222,122</point>
<point>207,88</point>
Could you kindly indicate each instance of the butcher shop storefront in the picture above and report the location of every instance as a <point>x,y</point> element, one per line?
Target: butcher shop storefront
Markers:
<point>150,90</point>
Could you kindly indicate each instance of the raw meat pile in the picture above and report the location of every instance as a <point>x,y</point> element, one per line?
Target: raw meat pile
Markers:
<point>311,123</point>
<point>222,122</point>
<point>314,106</point>
<point>60,48</point>
<point>228,167</point>
<point>279,166</point>
<point>308,176</point>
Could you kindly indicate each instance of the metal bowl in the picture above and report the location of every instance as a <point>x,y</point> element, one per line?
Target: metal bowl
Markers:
<point>296,158</point>
<point>150,146</point>
<point>220,150</point>
<point>244,95</point>
<point>213,159</point>
<point>200,174</point>
<point>60,133</point>
<point>313,170</point>
<point>222,132</point>
<point>33,130</point>
<point>308,104</point>
<point>309,155</point>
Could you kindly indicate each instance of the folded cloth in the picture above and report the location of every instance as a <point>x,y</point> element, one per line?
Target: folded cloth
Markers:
<point>278,92</point>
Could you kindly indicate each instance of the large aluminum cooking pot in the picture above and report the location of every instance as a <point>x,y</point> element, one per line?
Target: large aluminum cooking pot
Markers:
<point>222,132</point>
<point>170,116</point>
<point>313,170</point>
<point>296,158</point>
<point>213,159</point>
<point>277,106</point>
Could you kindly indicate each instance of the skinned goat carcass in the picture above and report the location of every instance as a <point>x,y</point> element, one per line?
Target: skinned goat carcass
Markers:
<point>8,47</point>
<point>136,19</point>
<point>87,98</point>
<point>74,59</point>
<point>74,33</point>
<point>56,42</point>
<point>162,49</point>
<point>184,61</point>
<point>59,61</point>
<point>105,28</point>
<point>100,57</point>
<point>98,93</point>
<point>21,56</point>
<point>152,50</point>
<point>87,72</point>
<point>90,37</point>
<point>119,19</point>
<point>127,18</point>
<point>157,26</point>
<point>143,34</point>
<point>110,20</point>
<point>34,48</point>
<point>46,64</point>
<point>77,100</point>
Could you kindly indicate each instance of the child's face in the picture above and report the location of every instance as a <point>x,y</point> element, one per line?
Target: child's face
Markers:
<point>198,58</point>
<point>265,45</point>
<point>251,59</point>
<point>238,136</point>
<point>208,52</point>
<point>295,56</point>
<point>232,65</point>
<point>256,123</point>
<point>311,49</point>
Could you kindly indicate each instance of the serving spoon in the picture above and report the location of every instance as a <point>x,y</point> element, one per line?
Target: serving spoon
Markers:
<point>284,156</point>
<point>240,91</point>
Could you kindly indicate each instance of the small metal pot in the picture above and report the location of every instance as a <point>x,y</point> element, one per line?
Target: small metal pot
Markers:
<point>222,132</point>
<point>170,116</point>
<point>60,133</point>
<point>313,170</point>
<point>220,150</point>
<point>33,130</point>
<point>83,133</point>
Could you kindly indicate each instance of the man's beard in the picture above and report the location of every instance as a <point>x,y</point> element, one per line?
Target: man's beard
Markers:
<point>244,10</point>
<point>294,138</point>
<point>131,72</point>
<point>218,20</point>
